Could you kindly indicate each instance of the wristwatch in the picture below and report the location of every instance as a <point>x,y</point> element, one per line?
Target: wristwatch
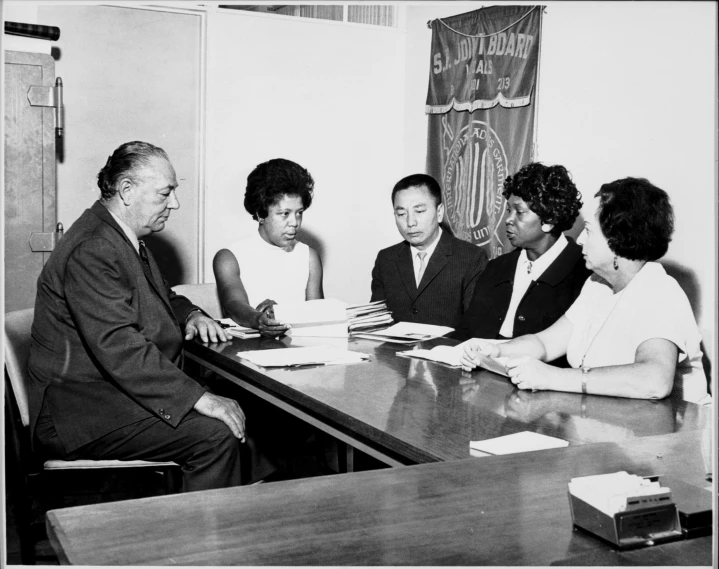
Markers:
<point>585,377</point>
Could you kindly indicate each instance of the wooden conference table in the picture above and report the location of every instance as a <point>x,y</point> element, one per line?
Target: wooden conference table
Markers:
<point>495,510</point>
<point>406,411</point>
<point>448,509</point>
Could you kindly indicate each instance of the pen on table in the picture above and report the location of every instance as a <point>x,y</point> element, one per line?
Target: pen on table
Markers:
<point>223,325</point>
<point>308,364</point>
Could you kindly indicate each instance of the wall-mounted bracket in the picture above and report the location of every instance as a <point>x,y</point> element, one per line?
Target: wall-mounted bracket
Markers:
<point>45,242</point>
<point>41,96</point>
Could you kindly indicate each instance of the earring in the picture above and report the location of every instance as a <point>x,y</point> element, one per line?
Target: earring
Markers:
<point>261,221</point>
<point>616,265</point>
<point>546,227</point>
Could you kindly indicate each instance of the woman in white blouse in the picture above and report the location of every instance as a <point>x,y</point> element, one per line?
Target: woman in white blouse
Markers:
<point>631,331</point>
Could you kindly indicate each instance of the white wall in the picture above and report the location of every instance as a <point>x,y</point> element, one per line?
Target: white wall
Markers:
<point>328,96</point>
<point>625,89</point>
<point>128,74</point>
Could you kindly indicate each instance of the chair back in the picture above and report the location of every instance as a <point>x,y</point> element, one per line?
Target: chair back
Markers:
<point>202,295</point>
<point>18,325</point>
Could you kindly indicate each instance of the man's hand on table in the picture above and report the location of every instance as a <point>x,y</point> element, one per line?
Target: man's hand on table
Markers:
<point>206,328</point>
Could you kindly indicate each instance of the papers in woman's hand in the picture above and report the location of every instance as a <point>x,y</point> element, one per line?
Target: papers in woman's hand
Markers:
<point>451,355</point>
<point>234,329</point>
<point>444,354</point>
<point>321,317</point>
<point>406,333</point>
<point>300,357</point>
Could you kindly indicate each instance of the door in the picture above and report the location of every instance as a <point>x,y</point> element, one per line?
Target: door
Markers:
<point>29,174</point>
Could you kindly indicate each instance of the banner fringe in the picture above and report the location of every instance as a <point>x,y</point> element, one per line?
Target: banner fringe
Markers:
<point>480,104</point>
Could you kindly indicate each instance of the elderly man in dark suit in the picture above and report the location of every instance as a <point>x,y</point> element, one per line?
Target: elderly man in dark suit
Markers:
<point>429,277</point>
<point>107,341</point>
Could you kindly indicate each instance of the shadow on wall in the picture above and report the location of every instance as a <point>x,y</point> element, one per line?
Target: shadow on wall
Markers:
<point>688,282</point>
<point>311,240</point>
<point>167,258</point>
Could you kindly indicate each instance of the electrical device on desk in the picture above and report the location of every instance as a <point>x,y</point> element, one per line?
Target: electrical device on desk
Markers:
<point>632,511</point>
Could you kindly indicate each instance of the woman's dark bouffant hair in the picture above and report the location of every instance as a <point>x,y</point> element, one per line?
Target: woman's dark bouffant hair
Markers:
<point>273,179</point>
<point>549,192</point>
<point>636,217</point>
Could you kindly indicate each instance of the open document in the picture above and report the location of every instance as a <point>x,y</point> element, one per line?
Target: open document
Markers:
<point>321,317</point>
<point>450,355</point>
<point>301,357</point>
<point>406,333</point>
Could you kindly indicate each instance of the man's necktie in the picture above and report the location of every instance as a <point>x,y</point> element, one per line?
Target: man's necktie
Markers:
<point>421,255</point>
<point>143,254</point>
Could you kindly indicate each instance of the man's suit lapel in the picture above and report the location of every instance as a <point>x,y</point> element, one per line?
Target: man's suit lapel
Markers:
<point>102,212</point>
<point>437,261</point>
<point>405,268</point>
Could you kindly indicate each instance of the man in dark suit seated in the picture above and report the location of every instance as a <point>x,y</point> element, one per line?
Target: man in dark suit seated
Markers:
<point>429,277</point>
<point>107,342</point>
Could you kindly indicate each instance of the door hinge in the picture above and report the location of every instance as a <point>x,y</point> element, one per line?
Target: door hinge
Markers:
<point>45,242</point>
<point>42,96</point>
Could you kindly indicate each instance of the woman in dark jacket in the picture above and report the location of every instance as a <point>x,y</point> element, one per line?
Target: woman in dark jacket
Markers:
<point>528,289</point>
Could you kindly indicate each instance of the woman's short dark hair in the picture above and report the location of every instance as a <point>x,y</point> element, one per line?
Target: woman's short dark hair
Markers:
<point>124,163</point>
<point>636,217</point>
<point>273,179</point>
<point>549,192</point>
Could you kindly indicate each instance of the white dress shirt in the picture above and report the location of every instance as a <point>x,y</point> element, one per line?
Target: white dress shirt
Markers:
<point>129,232</point>
<point>429,250</point>
<point>526,272</point>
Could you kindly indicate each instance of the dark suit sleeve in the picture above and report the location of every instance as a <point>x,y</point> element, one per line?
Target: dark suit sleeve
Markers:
<point>102,298</point>
<point>477,269</point>
<point>181,305</point>
<point>377,283</point>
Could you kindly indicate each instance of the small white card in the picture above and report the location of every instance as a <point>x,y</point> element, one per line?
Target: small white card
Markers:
<point>524,441</point>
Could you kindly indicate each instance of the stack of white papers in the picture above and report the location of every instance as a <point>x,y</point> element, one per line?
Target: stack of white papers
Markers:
<point>619,492</point>
<point>406,333</point>
<point>369,317</point>
<point>301,357</point>
<point>234,329</point>
<point>523,441</point>
<point>322,317</point>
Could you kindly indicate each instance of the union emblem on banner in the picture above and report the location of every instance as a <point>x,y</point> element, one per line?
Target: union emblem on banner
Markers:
<point>483,76</point>
<point>473,180</point>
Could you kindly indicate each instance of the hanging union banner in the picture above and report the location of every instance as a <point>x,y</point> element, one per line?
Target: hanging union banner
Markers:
<point>481,107</point>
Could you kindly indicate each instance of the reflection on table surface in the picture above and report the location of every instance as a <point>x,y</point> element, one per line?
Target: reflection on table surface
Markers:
<point>429,411</point>
<point>498,510</point>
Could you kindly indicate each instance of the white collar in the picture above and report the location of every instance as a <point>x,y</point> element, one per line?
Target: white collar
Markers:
<point>126,229</point>
<point>539,265</point>
<point>429,250</point>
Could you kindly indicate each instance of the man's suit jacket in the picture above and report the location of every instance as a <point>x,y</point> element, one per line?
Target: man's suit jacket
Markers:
<point>545,301</point>
<point>446,287</point>
<point>106,342</point>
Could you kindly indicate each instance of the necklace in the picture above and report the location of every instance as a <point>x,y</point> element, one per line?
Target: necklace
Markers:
<point>611,311</point>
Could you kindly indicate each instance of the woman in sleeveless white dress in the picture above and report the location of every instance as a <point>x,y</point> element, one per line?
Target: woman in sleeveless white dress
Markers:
<point>270,266</point>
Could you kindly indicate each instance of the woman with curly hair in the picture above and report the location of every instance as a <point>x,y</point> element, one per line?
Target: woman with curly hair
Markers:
<point>271,266</point>
<point>529,289</point>
<point>631,332</point>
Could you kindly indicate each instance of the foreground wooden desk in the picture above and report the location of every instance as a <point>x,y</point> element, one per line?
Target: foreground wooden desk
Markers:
<point>503,510</point>
<point>404,411</point>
